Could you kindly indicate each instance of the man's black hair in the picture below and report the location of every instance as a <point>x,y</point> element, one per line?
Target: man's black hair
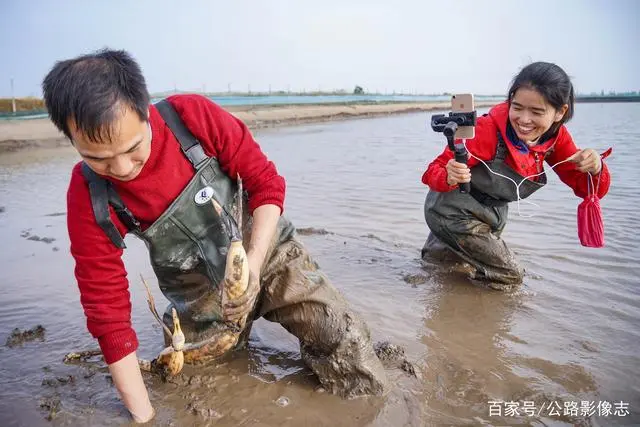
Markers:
<point>93,90</point>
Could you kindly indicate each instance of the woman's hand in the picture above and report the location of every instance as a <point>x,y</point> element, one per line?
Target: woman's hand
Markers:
<point>457,173</point>
<point>587,160</point>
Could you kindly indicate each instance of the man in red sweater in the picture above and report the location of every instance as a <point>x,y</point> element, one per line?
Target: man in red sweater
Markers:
<point>153,170</point>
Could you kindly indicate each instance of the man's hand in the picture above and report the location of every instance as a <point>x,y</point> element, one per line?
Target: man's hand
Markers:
<point>235,309</point>
<point>587,160</point>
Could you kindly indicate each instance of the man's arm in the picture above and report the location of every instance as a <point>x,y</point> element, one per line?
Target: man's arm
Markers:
<point>128,381</point>
<point>104,294</point>
<point>265,222</point>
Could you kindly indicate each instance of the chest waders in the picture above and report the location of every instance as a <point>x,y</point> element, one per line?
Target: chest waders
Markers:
<point>187,247</point>
<point>470,225</point>
<point>188,243</point>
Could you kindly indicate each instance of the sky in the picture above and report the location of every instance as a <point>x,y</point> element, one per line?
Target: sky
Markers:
<point>411,46</point>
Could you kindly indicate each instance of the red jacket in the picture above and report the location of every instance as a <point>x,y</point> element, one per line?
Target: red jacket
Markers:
<point>100,272</point>
<point>484,146</point>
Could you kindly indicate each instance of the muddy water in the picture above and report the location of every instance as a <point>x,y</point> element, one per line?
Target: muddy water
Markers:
<point>571,334</point>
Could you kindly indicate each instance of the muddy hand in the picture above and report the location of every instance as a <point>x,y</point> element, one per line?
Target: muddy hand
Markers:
<point>238,308</point>
<point>587,160</point>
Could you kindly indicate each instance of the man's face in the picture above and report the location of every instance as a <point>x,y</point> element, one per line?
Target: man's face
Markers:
<point>124,155</point>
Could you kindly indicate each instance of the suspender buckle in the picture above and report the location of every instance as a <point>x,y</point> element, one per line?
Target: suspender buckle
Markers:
<point>196,155</point>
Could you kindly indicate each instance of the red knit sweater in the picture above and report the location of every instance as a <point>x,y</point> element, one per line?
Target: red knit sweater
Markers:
<point>100,272</point>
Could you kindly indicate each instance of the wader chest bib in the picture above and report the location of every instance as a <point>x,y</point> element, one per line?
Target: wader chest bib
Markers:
<point>188,243</point>
<point>493,190</point>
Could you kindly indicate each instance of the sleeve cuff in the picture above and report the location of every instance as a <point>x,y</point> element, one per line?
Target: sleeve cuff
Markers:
<point>118,344</point>
<point>266,199</point>
<point>442,186</point>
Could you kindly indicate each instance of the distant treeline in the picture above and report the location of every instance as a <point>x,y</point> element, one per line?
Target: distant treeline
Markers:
<point>608,98</point>
<point>357,91</point>
<point>36,105</point>
<point>22,104</point>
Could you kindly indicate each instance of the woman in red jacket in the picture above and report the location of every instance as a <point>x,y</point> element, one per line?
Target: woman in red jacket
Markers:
<point>513,140</point>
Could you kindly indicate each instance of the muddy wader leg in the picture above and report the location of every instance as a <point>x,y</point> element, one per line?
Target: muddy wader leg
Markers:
<point>478,244</point>
<point>435,250</point>
<point>334,341</point>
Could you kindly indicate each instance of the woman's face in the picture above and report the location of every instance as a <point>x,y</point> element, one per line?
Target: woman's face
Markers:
<point>531,115</point>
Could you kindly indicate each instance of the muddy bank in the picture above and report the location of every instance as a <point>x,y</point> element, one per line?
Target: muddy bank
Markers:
<point>260,117</point>
<point>19,134</point>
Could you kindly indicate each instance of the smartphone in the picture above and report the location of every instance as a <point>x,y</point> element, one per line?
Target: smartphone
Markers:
<point>463,103</point>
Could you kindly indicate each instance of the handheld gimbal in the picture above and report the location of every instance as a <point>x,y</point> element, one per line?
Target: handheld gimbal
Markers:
<point>449,125</point>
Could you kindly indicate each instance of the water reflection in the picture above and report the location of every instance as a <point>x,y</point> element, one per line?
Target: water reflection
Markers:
<point>473,364</point>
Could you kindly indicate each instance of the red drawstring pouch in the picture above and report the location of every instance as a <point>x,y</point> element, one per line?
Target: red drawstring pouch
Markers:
<point>590,224</point>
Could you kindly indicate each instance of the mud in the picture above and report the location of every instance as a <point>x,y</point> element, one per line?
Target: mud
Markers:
<point>372,237</point>
<point>203,411</point>
<point>41,239</point>
<point>310,231</point>
<point>54,382</point>
<point>27,235</point>
<point>415,279</point>
<point>393,357</point>
<point>199,387</point>
<point>18,337</point>
<point>82,356</point>
<point>51,405</point>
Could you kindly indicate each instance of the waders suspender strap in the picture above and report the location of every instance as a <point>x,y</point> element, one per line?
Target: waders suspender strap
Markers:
<point>190,145</point>
<point>481,197</point>
<point>103,194</point>
<point>501,149</point>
